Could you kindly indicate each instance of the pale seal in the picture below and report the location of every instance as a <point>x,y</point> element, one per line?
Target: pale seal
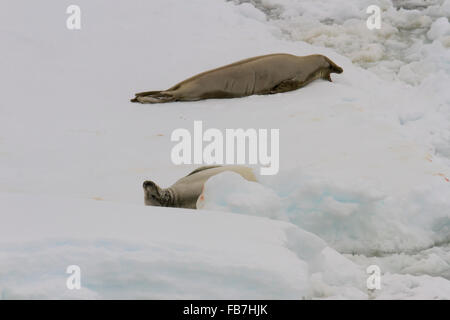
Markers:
<point>268,74</point>
<point>185,192</point>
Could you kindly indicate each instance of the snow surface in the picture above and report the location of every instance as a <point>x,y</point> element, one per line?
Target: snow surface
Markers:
<point>364,160</point>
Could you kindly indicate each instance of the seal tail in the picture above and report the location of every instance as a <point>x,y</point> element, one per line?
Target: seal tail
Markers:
<point>153,97</point>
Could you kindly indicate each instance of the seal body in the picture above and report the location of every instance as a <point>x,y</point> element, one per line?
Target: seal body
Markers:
<point>268,74</point>
<point>185,192</point>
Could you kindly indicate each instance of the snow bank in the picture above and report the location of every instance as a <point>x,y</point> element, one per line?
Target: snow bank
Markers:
<point>351,219</point>
<point>132,252</point>
<point>129,251</point>
<point>365,161</point>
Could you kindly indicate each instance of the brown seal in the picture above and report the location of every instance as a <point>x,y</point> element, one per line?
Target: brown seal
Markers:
<point>268,74</point>
<point>185,192</point>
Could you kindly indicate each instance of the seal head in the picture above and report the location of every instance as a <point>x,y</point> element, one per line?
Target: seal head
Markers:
<point>332,67</point>
<point>185,192</point>
<point>156,196</point>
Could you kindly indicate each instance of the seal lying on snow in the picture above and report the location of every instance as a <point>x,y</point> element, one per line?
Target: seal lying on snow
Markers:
<point>269,74</point>
<point>185,192</point>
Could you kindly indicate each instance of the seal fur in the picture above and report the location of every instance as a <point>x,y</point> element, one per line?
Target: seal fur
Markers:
<point>185,192</point>
<point>267,74</point>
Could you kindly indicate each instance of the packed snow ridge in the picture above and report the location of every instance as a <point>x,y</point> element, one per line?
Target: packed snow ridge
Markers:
<point>364,160</point>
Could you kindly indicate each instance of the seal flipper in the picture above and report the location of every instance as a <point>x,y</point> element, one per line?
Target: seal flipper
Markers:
<point>286,85</point>
<point>153,97</point>
<point>146,93</point>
